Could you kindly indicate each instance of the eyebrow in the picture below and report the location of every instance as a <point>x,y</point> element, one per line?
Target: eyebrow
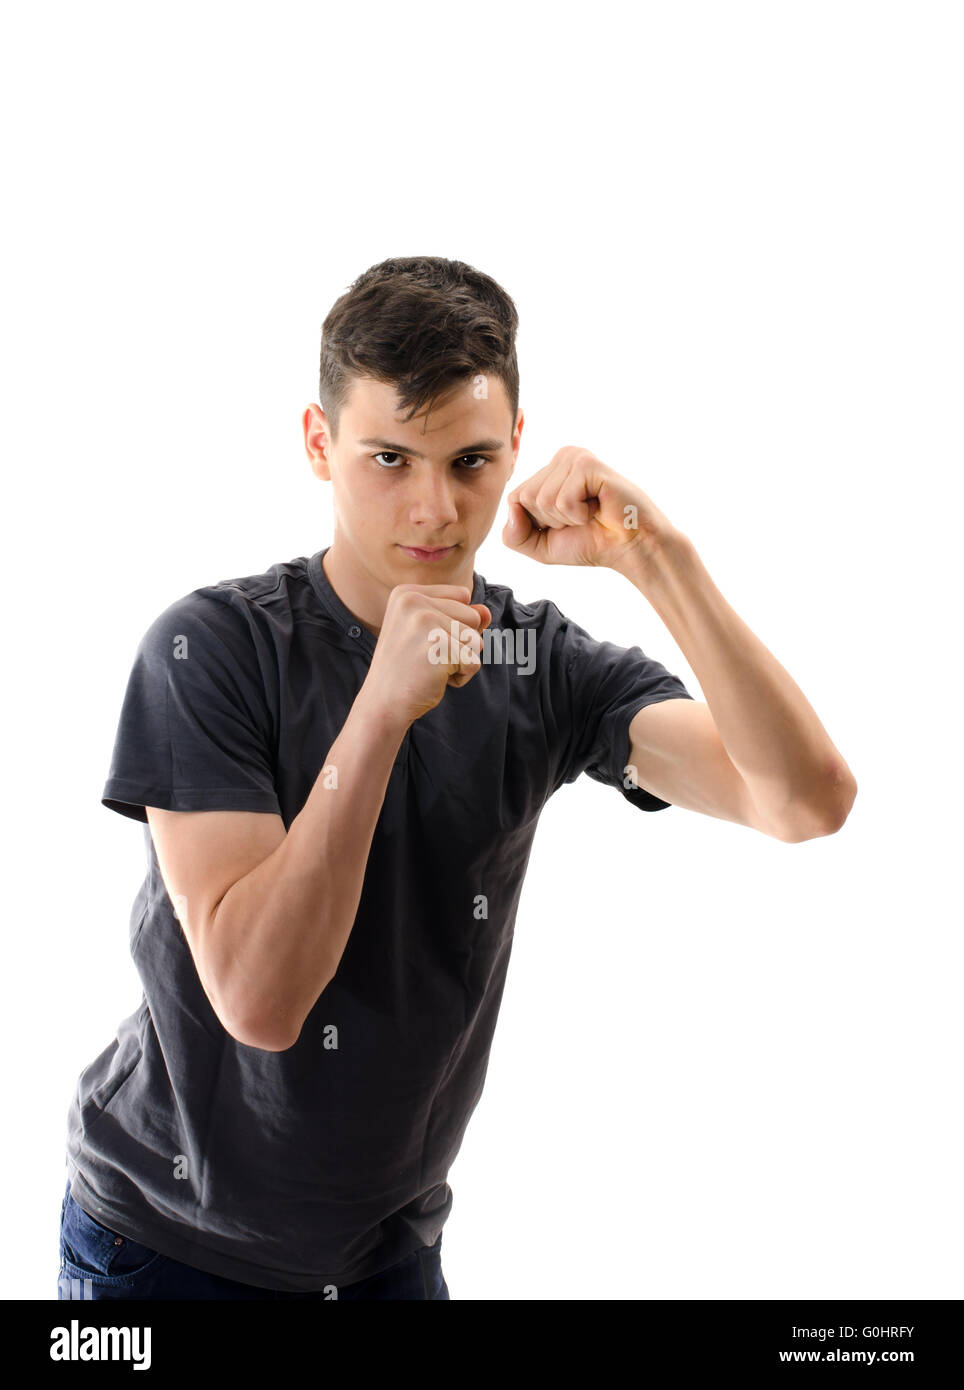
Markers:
<point>480,446</point>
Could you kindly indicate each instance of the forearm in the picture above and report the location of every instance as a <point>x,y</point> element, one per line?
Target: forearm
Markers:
<point>770,731</point>
<point>279,932</point>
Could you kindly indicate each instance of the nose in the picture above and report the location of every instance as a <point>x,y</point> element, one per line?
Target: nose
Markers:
<point>433,505</point>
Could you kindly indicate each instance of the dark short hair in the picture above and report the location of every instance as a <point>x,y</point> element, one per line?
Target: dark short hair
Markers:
<point>422,323</point>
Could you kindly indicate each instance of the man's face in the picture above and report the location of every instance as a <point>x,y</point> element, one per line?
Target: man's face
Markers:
<point>412,505</point>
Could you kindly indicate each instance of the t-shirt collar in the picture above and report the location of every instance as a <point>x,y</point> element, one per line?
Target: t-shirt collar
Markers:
<point>343,616</point>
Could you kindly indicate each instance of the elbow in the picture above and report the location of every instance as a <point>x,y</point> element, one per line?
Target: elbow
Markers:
<point>268,1031</point>
<point>846,795</point>
<point>825,819</point>
<point>240,1024</point>
<point>260,1036</point>
<point>278,1026</point>
<point>247,1018</point>
<point>270,1021</point>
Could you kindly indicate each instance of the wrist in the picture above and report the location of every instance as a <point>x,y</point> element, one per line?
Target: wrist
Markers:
<point>656,558</point>
<point>381,714</point>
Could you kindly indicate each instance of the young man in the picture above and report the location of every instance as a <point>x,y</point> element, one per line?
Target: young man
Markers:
<point>340,764</point>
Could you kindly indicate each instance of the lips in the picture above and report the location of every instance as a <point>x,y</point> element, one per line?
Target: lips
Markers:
<point>419,552</point>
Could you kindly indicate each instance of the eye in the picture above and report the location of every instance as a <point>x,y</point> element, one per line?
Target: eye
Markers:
<point>475,467</point>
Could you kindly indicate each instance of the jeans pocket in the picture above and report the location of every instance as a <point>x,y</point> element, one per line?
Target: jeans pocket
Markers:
<point>91,1251</point>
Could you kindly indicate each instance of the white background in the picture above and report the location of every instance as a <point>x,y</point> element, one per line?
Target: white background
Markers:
<point>726,1067</point>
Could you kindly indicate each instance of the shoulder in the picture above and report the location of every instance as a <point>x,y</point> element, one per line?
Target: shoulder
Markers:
<point>244,609</point>
<point>509,610</point>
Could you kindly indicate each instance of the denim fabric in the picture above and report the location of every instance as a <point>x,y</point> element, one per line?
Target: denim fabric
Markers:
<point>98,1263</point>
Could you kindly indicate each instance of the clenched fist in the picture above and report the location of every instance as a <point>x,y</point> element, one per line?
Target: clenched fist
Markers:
<point>408,676</point>
<point>579,511</point>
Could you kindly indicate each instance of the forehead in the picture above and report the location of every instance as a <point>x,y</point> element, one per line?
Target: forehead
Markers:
<point>480,401</point>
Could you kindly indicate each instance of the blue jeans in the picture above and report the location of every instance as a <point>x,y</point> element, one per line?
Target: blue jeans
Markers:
<point>99,1263</point>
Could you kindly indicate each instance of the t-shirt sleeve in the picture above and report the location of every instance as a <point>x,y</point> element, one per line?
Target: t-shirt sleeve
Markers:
<point>597,688</point>
<point>195,730</point>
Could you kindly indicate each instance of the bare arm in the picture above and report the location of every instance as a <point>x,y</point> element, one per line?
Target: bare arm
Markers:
<point>759,750</point>
<point>277,935</point>
<point>267,915</point>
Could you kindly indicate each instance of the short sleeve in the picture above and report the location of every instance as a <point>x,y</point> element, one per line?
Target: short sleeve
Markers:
<point>195,730</point>
<point>598,688</point>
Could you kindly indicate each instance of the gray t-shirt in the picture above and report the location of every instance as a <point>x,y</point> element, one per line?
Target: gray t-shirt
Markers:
<point>327,1162</point>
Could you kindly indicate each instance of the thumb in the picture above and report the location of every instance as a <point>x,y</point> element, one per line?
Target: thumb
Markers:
<point>519,529</point>
<point>484,612</point>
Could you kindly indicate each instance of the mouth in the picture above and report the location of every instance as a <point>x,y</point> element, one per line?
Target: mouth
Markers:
<point>428,555</point>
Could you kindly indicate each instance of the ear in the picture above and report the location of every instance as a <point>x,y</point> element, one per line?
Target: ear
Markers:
<point>516,440</point>
<point>317,445</point>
